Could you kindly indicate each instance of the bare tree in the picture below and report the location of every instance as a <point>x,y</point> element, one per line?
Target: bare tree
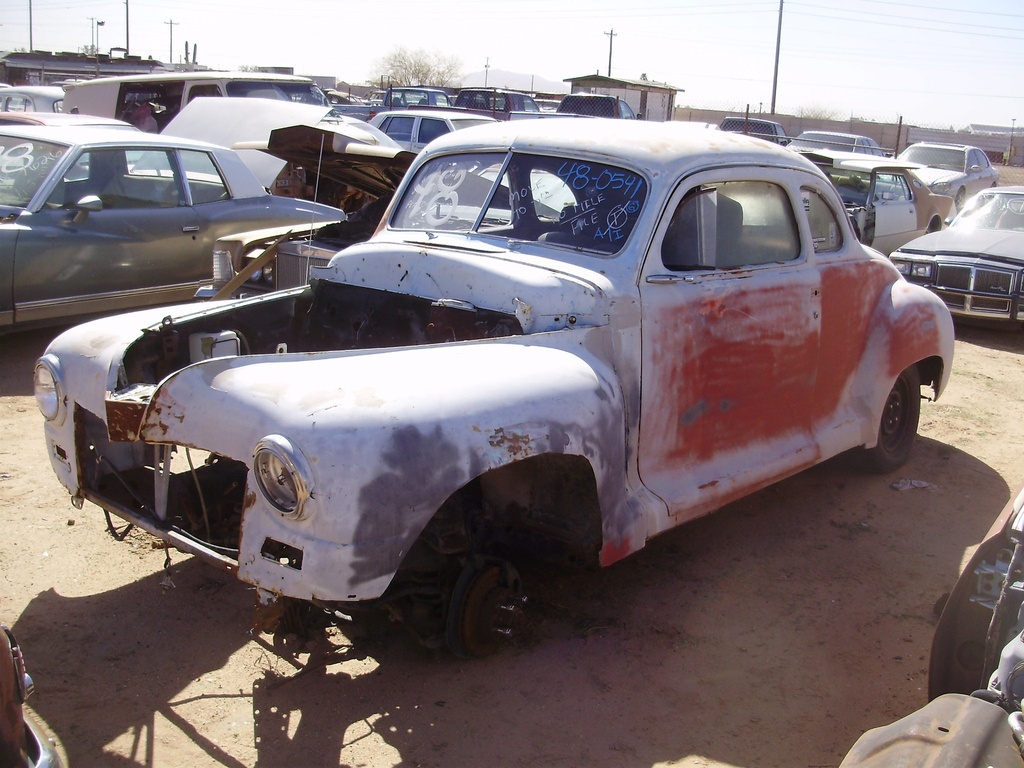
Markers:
<point>416,67</point>
<point>817,112</point>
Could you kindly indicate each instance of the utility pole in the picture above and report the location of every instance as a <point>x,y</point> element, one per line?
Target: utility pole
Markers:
<point>170,51</point>
<point>778,45</point>
<point>126,49</point>
<point>30,47</point>
<point>96,49</point>
<point>610,36</point>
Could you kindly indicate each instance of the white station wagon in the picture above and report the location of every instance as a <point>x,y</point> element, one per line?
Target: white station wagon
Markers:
<point>558,344</point>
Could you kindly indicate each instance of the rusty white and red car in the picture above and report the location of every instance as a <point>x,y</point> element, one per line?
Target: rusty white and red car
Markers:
<point>557,345</point>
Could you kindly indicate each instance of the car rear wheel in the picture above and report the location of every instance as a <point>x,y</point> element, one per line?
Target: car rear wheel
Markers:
<point>898,425</point>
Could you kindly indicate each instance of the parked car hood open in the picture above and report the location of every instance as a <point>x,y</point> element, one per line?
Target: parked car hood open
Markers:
<point>336,152</point>
<point>248,126</point>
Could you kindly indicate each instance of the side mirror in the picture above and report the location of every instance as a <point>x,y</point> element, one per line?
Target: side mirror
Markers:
<point>85,206</point>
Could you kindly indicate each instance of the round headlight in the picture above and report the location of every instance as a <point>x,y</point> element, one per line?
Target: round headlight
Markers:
<point>48,386</point>
<point>282,475</point>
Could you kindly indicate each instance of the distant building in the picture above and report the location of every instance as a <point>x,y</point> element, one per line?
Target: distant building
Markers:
<point>46,68</point>
<point>650,100</point>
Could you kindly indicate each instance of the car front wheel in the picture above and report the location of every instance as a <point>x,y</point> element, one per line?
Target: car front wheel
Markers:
<point>898,425</point>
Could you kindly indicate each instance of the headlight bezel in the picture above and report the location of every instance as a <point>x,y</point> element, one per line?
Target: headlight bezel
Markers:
<point>283,476</point>
<point>49,389</point>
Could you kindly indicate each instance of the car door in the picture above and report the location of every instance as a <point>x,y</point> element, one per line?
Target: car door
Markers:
<point>980,173</point>
<point>114,234</point>
<point>895,211</point>
<point>730,343</point>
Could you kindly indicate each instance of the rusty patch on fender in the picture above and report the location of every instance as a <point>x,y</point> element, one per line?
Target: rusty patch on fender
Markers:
<point>514,443</point>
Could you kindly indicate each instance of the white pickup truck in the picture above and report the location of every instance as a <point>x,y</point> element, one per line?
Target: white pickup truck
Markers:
<point>557,345</point>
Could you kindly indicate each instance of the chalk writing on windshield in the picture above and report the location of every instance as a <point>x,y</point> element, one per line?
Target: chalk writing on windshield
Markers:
<point>24,166</point>
<point>588,206</point>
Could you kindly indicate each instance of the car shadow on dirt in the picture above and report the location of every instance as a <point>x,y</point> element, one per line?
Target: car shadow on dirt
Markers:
<point>18,354</point>
<point>1002,337</point>
<point>805,608</point>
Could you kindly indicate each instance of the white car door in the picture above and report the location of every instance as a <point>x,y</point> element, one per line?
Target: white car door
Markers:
<point>895,211</point>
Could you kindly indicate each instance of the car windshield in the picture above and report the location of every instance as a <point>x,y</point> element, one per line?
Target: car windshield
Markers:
<point>946,158</point>
<point>587,206</point>
<point>992,210</point>
<point>25,165</point>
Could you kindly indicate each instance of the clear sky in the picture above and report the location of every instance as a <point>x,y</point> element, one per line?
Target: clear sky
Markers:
<point>933,62</point>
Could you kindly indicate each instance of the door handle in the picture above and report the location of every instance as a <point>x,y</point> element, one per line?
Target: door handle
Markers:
<point>190,229</point>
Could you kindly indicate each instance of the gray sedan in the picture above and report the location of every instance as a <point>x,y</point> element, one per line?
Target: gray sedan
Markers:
<point>96,220</point>
<point>976,265</point>
<point>956,170</point>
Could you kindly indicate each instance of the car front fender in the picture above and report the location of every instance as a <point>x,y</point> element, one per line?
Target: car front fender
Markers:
<point>388,437</point>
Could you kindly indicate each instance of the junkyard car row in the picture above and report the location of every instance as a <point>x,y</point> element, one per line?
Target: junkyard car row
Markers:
<point>631,316</point>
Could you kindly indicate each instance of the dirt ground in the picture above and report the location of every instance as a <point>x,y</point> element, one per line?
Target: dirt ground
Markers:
<point>772,633</point>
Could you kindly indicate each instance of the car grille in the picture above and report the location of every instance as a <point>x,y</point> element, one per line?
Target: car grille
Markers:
<point>975,290</point>
<point>293,268</point>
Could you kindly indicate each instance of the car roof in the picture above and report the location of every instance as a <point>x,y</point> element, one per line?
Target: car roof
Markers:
<point>95,135</point>
<point>33,90</point>
<point>60,118</point>
<point>856,161</point>
<point>832,133</point>
<point>443,114</point>
<point>203,75</point>
<point>650,146</point>
<point>941,144</point>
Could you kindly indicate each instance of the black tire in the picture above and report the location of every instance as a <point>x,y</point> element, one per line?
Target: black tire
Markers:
<point>898,425</point>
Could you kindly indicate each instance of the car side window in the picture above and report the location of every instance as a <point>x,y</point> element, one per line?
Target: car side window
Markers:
<point>892,188</point>
<point>826,233</point>
<point>400,128</point>
<point>120,178</point>
<point>18,104</point>
<point>729,225</point>
<point>430,129</point>
<point>208,90</point>
<point>205,183</point>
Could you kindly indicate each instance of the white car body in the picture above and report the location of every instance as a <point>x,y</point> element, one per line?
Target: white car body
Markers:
<point>550,374</point>
<point>413,129</point>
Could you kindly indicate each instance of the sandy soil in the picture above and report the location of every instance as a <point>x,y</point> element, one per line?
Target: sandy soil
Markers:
<point>771,633</point>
